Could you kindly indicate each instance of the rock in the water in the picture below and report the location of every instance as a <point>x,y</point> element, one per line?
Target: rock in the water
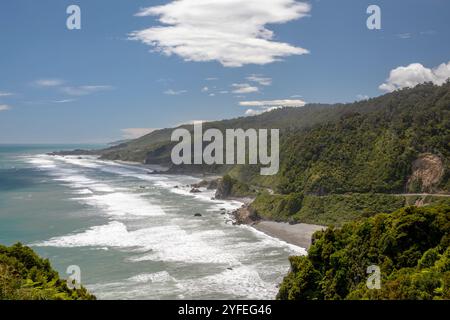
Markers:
<point>197,215</point>
<point>195,190</point>
<point>213,184</point>
<point>201,184</point>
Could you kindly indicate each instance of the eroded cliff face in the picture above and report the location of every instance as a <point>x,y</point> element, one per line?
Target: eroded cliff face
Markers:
<point>427,172</point>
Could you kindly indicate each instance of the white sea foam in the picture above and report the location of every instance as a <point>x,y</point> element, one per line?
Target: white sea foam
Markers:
<point>168,243</point>
<point>170,235</point>
<point>176,184</point>
<point>82,191</point>
<point>206,196</point>
<point>243,282</point>
<point>108,198</point>
<point>42,162</point>
<point>162,276</point>
<point>120,204</point>
<point>87,163</point>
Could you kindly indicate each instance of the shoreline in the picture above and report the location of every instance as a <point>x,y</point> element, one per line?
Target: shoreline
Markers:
<point>299,234</point>
<point>296,234</point>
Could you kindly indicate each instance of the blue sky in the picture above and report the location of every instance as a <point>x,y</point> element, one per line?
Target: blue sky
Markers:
<point>98,84</point>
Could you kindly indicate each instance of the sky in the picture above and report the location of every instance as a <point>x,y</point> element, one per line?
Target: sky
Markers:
<point>136,66</point>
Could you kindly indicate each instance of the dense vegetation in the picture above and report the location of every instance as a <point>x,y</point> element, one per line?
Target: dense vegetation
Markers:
<point>26,276</point>
<point>228,188</point>
<point>362,147</point>
<point>411,246</point>
<point>155,147</point>
<point>324,210</point>
<point>338,162</point>
<point>334,209</point>
<point>372,152</point>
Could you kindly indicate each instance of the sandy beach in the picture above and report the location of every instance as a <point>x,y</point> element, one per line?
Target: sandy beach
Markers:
<point>297,234</point>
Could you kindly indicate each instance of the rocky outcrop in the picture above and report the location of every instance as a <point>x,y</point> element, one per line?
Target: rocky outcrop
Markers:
<point>245,215</point>
<point>228,188</point>
<point>208,184</point>
<point>427,172</point>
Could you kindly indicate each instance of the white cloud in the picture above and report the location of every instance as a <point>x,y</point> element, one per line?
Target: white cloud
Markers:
<point>414,74</point>
<point>205,89</point>
<point>404,35</point>
<point>297,96</point>
<point>191,122</point>
<point>134,133</point>
<point>269,105</point>
<point>4,107</point>
<point>64,101</point>
<point>84,90</point>
<point>241,88</point>
<point>5,94</point>
<point>71,90</point>
<point>264,81</point>
<point>253,112</point>
<point>212,79</point>
<point>172,92</point>
<point>164,81</point>
<point>360,97</point>
<point>428,33</point>
<point>273,103</point>
<point>49,82</point>
<point>232,32</point>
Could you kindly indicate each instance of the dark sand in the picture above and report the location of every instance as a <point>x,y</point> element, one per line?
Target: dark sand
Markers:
<point>297,234</point>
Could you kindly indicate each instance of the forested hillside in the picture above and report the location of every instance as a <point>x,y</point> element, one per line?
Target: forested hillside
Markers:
<point>375,152</point>
<point>410,246</point>
<point>365,162</point>
<point>337,162</point>
<point>367,146</point>
<point>155,147</point>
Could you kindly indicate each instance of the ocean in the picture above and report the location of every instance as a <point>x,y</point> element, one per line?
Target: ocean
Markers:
<point>133,234</point>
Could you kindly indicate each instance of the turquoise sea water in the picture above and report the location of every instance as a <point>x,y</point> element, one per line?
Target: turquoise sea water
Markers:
<point>133,235</point>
